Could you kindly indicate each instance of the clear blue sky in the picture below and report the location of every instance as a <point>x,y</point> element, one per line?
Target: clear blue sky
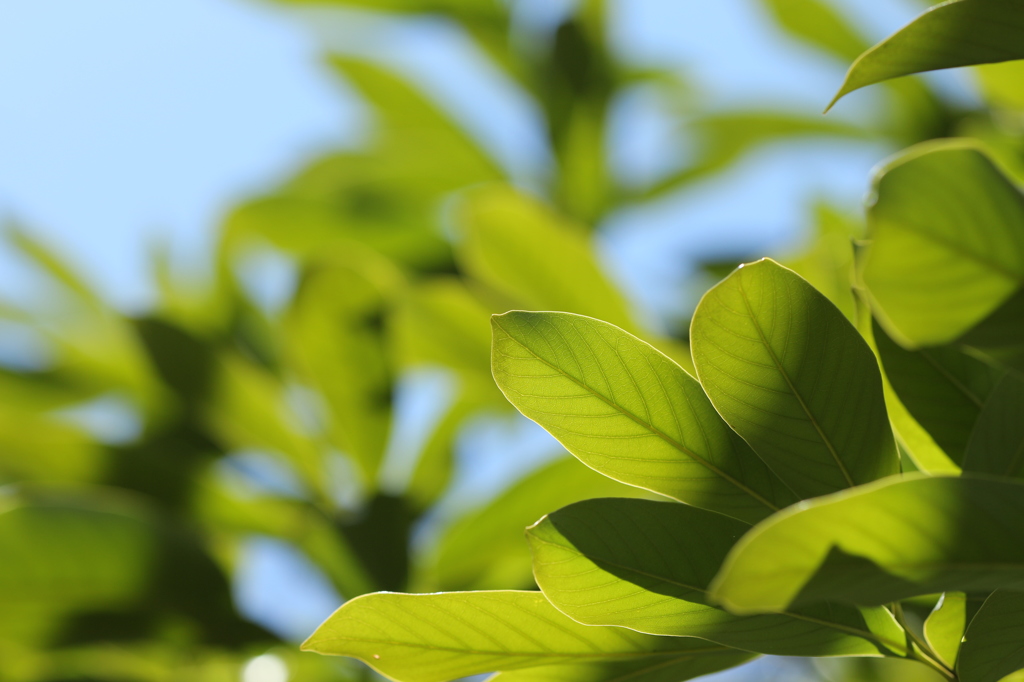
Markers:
<point>126,122</point>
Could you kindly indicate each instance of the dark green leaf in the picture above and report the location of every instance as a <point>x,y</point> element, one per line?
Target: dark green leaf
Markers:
<point>997,444</point>
<point>790,374</point>
<point>646,566</point>
<point>992,644</point>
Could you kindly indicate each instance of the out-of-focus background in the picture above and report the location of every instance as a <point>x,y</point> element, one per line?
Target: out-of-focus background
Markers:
<point>250,253</point>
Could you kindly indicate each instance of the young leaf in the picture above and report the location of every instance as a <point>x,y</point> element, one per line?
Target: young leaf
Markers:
<point>447,635</point>
<point>945,626</point>
<point>992,645</point>
<point>943,389</point>
<point>951,34</point>
<point>946,242</point>
<point>880,543</point>
<point>788,373</point>
<point>997,444</point>
<point>646,566</point>
<point>629,412</point>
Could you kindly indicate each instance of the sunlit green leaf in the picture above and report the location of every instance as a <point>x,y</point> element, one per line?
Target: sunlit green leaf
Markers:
<point>879,543</point>
<point>684,666</point>
<point>950,34</point>
<point>945,225</point>
<point>443,636</point>
<point>629,412</point>
<point>646,566</point>
<point>945,626</point>
<point>793,377</point>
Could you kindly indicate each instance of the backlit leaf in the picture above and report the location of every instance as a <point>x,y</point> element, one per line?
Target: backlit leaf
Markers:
<point>789,373</point>
<point>628,411</point>
<point>997,443</point>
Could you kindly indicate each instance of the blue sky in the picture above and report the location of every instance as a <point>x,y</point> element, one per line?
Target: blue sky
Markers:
<point>123,124</point>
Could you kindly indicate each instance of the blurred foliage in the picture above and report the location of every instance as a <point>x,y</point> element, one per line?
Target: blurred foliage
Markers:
<point>117,551</point>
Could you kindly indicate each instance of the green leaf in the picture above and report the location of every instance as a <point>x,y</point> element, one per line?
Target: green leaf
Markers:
<point>819,24</point>
<point>997,444</point>
<point>951,34</point>
<point>629,412</point>
<point>646,566</point>
<point>447,635</point>
<point>946,242</point>
<point>484,549</point>
<point>992,644</point>
<point>945,626</point>
<point>791,375</point>
<point>335,342</point>
<point>942,388</point>
<point>682,666</point>
<point>880,543</point>
<point>533,256</point>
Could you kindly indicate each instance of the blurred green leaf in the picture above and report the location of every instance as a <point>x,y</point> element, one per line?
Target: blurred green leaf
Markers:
<point>944,225</point>
<point>444,636</point>
<point>484,548</point>
<point>950,34</point>
<point>827,263</point>
<point>629,412</point>
<point>646,566</point>
<point>818,23</point>
<point>793,377</point>
<point>535,257</point>
<point>879,543</point>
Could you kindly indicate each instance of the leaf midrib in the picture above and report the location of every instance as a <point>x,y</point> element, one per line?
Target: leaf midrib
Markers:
<point>650,427</point>
<point>792,387</point>
<point>863,634</point>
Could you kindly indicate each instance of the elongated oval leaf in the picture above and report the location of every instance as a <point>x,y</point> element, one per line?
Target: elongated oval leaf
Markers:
<point>880,543</point>
<point>997,443</point>
<point>629,412</point>
<point>992,644</point>
<point>447,635</point>
<point>646,566</point>
<point>945,626</point>
<point>676,668</point>
<point>951,34</point>
<point>946,242</point>
<point>792,376</point>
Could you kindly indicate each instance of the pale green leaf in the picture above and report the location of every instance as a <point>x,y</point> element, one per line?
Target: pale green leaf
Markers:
<point>880,543</point>
<point>535,257</point>
<point>945,626</point>
<point>818,23</point>
<point>447,635</point>
<point>945,242</point>
<point>646,566</point>
<point>951,34</point>
<point>789,373</point>
<point>997,443</point>
<point>628,411</point>
<point>992,644</point>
